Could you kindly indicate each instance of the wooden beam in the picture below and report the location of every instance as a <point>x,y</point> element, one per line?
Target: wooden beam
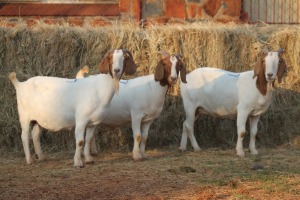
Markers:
<point>37,9</point>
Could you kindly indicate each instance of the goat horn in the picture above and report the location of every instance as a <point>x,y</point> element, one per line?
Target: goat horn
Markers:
<point>178,55</point>
<point>280,51</point>
<point>164,54</point>
<point>265,50</point>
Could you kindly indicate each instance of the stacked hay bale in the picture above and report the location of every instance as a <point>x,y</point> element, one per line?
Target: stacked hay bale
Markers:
<point>53,50</point>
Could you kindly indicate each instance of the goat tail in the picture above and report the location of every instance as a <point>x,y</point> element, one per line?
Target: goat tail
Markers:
<point>86,69</point>
<point>13,78</point>
<point>82,72</point>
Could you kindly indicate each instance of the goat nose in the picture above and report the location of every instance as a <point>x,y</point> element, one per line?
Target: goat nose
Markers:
<point>270,74</point>
<point>116,70</point>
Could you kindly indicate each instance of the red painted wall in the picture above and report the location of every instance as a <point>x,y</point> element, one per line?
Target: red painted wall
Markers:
<point>152,11</point>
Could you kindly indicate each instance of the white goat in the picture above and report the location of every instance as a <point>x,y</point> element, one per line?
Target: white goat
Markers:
<point>140,101</point>
<point>222,93</point>
<point>60,103</point>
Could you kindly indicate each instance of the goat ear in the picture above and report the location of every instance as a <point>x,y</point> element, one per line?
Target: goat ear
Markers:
<point>104,64</point>
<point>282,70</point>
<point>129,64</point>
<point>183,74</point>
<point>259,63</point>
<point>257,67</point>
<point>159,71</point>
<point>182,69</point>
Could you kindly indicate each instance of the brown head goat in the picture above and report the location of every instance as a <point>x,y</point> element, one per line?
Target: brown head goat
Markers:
<point>59,103</point>
<point>226,94</point>
<point>140,101</point>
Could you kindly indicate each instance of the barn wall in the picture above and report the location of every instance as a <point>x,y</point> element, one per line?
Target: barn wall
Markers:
<point>149,11</point>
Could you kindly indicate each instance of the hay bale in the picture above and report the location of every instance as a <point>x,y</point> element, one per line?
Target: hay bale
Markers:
<point>61,50</point>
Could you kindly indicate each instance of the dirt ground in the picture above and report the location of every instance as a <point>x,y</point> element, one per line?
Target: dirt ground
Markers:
<point>166,174</point>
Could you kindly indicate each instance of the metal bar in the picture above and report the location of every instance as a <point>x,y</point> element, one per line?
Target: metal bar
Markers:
<point>298,8</point>
<point>281,4</point>
<point>274,10</point>
<point>289,8</point>
<point>250,11</point>
<point>258,10</point>
<point>266,11</point>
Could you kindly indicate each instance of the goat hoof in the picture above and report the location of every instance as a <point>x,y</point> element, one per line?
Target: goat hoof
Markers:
<point>41,158</point>
<point>138,159</point>
<point>145,158</point>
<point>90,162</point>
<point>197,149</point>
<point>137,156</point>
<point>241,154</point>
<point>182,149</point>
<point>94,153</point>
<point>254,153</point>
<point>30,161</point>
<point>78,164</point>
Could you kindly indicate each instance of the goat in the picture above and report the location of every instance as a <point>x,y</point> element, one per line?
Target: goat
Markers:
<point>140,101</point>
<point>59,103</point>
<point>226,94</point>
<point>82,72</point>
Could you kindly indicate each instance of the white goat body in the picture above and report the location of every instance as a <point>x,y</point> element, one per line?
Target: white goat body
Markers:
<point>222,93</point>
<point>129,100</point>
<point>140,101</point>
<point>55,102</point>
<point>58,103</point>
<point>133,104</point>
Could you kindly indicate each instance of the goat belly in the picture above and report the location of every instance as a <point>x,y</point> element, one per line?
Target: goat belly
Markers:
<point>56,124</point>
<point>114,123</point>
<point>218,112</point>
<point>116,117</point>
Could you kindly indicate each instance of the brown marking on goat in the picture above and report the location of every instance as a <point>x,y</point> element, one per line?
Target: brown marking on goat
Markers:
<point>138,138</point>
<point>80,143</point>
<point>243,134</point>
<point>163,70</point>
<point>282,69</point>
<point>260,68</point>
<point>259,71</point>
<point>180,68</point>
<point>159,71</point>
<point>261,82</point>
<point>129,64</point>
<point>106,63</point>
